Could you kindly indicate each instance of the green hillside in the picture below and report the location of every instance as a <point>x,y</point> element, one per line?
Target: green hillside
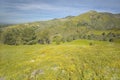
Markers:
<point>91,25</point>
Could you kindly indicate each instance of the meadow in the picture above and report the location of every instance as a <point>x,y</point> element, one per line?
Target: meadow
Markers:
<point>76,60</point>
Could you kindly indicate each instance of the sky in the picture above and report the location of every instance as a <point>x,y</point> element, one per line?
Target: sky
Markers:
<point>22,11</point>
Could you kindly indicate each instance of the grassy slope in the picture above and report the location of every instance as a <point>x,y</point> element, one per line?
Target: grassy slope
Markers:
<point>75,60</point>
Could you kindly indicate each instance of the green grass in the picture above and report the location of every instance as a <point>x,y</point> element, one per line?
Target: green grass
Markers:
<point>76,60</point>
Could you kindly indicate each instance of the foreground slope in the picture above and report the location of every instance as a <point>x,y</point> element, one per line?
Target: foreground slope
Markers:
<point>76,60</point>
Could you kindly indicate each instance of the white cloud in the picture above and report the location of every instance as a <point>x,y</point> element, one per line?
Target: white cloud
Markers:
<point>42,6</point>
<point>32,6</point>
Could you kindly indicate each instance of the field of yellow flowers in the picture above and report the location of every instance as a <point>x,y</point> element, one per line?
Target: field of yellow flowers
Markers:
<point>77,60</point>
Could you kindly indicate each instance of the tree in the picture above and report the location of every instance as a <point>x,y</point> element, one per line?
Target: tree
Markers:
<point>28,35</point>
<point>104,36</point>
<point>111,40</point>
<point>43,36</point>
<point>11,36</point>
<point>57,38</point>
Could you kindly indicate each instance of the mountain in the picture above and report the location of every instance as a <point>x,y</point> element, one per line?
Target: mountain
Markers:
<point>4,25</point>
<point>91,25</point>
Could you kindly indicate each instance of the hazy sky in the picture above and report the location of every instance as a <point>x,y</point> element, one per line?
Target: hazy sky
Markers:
<point>18,11</point>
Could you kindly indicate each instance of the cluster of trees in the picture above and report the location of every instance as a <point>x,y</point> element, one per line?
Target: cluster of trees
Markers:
<point>103,37</point>
<point>32,35</point>
<point>16,36</point>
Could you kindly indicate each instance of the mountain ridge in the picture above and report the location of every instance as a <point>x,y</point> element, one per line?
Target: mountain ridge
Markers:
<point>84,26</point>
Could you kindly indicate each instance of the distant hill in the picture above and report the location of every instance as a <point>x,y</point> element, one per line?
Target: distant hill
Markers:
<point>91,19</point>
<point>4,25</point>
<point>91,25</point>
